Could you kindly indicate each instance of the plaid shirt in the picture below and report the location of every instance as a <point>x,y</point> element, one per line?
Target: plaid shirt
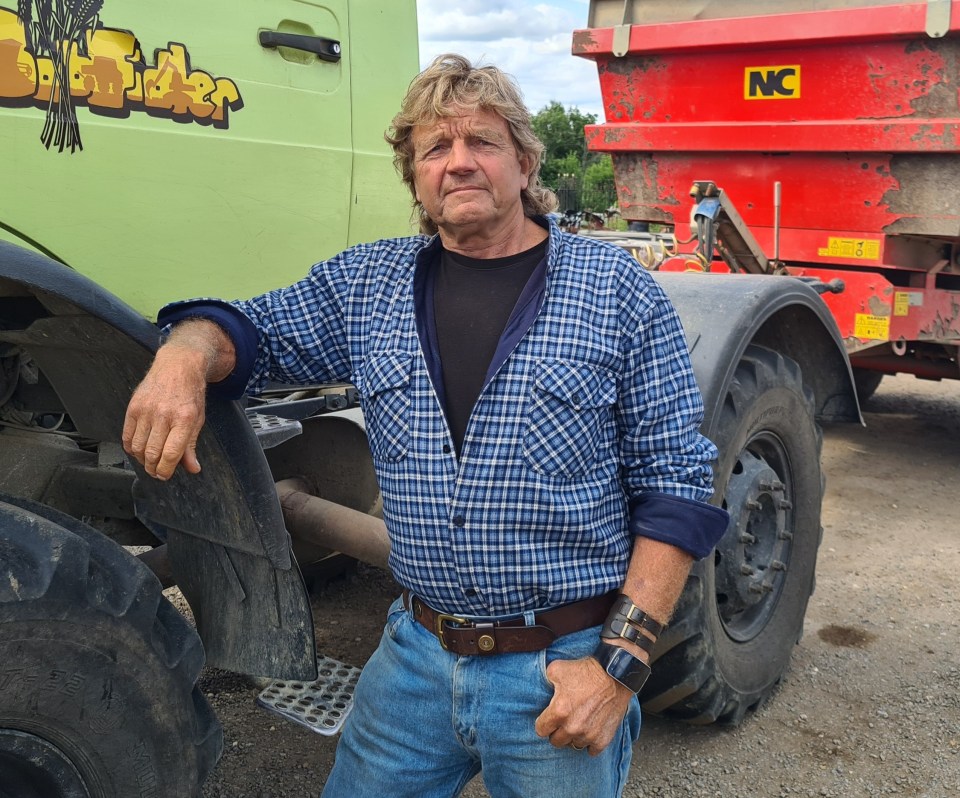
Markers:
<point>585,433</point>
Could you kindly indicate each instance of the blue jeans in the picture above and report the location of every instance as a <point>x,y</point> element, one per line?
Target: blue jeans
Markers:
<point>426,721</point>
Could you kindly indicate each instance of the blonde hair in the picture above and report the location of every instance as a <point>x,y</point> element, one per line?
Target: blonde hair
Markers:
<point>452,82</point>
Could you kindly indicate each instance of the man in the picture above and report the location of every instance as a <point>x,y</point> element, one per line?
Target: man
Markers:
<point>533,420</point>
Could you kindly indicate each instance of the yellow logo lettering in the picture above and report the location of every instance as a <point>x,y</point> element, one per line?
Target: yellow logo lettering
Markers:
<point>771,83</point>
<point>104,69</point>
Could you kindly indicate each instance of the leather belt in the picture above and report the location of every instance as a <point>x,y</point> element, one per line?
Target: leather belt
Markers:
<point>465,637</point>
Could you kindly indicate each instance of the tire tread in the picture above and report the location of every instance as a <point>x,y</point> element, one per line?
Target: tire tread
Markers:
<point>686,682</point>
<point>86,569</point>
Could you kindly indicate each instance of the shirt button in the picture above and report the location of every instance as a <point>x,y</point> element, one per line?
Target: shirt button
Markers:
<point>446,448</point>
<point>470,592</point>
<point>459,520</point>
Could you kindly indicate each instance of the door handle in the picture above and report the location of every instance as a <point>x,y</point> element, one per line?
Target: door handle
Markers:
<point>325,49</point>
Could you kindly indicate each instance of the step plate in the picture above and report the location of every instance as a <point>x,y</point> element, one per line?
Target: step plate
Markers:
<point>322,705</point>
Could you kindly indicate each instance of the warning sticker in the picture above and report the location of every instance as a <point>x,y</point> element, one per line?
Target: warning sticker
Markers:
<point>904,300</point>
<point>851,248</point>
<point>876,328</point>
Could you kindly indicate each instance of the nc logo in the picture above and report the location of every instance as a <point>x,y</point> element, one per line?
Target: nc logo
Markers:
<point>772,83</point>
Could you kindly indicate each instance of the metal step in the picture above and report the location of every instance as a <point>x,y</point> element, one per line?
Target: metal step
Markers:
<point>272,430</point>
<point>321,705</point>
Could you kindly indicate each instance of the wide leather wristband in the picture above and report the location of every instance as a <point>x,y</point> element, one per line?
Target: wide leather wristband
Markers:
<point>625,611</point>
<point>619,663</point>
<point>620,628</point>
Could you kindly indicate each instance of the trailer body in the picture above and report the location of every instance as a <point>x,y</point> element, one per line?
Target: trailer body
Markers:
<point>846,110</point>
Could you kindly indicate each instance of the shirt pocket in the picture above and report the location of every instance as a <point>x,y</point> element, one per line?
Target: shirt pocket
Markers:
<point>386,406</point>
<point>570,411</point>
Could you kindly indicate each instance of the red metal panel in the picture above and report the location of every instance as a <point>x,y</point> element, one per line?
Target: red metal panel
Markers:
<point>697,101</point>
<point>872,310</point>
<point>818,27</point>
<point>863,310</point>
<point>840,192</point>
<point>934,135</point>
<point>855,111</point>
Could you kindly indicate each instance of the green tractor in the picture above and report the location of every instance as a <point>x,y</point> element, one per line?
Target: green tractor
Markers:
<point>153,152</point>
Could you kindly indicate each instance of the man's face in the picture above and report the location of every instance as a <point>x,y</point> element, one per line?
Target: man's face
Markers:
<point>467,173</point>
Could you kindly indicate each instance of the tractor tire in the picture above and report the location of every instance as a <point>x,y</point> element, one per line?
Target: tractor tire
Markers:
<point>97,669</point>
<point>866,382</point>
<point>742,610</point>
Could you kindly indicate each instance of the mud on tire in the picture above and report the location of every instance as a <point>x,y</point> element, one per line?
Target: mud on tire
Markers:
<point>97,669</point>
<point>741,613</point>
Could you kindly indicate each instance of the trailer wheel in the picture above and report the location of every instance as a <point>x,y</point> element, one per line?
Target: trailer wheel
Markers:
<point>97,669</point>
<point>741,613</point>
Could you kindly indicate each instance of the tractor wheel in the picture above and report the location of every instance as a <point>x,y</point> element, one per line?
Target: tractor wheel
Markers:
<point>866,382</point>
<point>741,613</point>
<point>97,669</point>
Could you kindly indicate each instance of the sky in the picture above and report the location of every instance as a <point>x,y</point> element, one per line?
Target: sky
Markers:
<point>529,40</point>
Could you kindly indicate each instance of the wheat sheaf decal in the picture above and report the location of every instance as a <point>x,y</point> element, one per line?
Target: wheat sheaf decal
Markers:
<point>54,28</point>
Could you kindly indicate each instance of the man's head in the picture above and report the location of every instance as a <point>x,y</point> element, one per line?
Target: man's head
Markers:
<point>450,87</point>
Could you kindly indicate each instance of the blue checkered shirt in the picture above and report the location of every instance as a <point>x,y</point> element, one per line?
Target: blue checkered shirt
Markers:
<point>585,434</point>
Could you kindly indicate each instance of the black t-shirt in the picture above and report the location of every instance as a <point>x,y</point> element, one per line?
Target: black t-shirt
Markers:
<point>473,299</point>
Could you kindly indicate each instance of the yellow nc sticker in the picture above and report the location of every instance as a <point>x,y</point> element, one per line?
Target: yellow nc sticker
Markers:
<point>851,248</point>
<point>772,82</point>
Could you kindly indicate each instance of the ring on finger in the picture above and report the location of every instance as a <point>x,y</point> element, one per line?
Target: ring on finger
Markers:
<point>576,747</point>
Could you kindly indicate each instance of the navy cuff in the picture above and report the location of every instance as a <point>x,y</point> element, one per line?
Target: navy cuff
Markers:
<point>238,327</point>
<point>696,527</point>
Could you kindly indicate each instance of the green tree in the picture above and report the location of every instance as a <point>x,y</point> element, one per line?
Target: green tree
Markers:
<point>561,131</point>
<point>599,189</point>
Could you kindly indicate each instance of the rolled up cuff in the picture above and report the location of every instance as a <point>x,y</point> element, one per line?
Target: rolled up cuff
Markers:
<point>693,526</point>
<point>238,327</point>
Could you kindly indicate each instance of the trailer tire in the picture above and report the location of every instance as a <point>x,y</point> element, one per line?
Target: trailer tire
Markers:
<point>98,671</point>
<point>734,629</point>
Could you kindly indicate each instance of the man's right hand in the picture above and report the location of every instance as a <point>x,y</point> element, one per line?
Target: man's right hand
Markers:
<point>167,410</point>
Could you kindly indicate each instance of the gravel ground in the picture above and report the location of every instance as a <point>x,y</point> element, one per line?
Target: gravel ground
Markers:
<point>871,703</point>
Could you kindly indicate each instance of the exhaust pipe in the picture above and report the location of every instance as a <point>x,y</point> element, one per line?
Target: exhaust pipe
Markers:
<point>317,521</point>
<point>310,520</point>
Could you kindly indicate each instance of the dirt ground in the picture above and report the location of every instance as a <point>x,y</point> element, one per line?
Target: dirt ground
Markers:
<point>871,703</point>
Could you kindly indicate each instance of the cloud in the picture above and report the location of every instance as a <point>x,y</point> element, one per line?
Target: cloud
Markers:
<point>530,41</point>
<point>486,21</point>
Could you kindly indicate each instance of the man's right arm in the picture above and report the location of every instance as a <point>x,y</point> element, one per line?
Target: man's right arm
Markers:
<point>167,410</point>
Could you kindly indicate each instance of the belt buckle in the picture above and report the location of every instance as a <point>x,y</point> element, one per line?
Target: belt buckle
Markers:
<point>438,626</point>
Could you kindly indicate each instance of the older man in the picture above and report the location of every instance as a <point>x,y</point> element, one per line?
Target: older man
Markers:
<point>534,424</point>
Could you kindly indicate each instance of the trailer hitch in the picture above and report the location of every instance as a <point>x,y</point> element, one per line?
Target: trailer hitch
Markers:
<point>835,286</point>
<point>718,224</point>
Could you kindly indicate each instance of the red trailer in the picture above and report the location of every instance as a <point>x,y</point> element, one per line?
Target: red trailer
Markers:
<point>821,139</point>
<point>832,126</point>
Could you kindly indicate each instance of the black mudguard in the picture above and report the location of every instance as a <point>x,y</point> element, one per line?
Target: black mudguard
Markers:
<point>229,550</point>
<point>723,314</point>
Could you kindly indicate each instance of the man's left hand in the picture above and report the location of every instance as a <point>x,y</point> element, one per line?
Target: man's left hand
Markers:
<point>587,706</point>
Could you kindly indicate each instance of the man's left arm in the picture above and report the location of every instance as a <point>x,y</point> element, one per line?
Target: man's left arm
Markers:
<point>667,480</point>
<point>588,705</point>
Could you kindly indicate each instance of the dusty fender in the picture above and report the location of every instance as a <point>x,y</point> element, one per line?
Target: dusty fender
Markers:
<point>723,314</point>
<point>771,365</point>
<point>229,550</point>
